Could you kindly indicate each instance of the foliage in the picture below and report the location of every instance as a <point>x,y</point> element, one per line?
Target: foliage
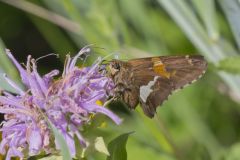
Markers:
<point>199,122</point>
<point>117,148</point>
<point>230,64</point>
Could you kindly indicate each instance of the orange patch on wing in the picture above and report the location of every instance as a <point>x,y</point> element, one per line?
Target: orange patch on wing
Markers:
<point>159,67</point>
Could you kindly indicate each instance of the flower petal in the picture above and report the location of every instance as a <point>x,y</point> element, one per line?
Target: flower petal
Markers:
<point>99,109</point>
<point>22,71</point>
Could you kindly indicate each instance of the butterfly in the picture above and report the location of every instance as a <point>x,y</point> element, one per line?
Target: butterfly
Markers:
<point>149,81</point>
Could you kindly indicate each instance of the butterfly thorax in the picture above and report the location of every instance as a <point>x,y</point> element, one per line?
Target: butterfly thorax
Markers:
<point>123,78</point>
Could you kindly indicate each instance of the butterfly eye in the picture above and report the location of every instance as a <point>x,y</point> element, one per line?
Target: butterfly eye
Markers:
<point>116,66</point>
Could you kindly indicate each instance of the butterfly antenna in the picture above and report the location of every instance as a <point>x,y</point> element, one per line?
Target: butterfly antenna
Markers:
<point>51,54</point>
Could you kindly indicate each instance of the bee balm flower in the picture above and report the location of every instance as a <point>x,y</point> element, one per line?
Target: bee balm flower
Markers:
<point>68,103</point>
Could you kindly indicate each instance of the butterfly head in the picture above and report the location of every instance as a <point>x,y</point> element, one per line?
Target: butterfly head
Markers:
<point>114,67</point>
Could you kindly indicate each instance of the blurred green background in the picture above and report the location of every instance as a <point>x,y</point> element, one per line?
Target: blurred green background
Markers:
<point>198,122</point>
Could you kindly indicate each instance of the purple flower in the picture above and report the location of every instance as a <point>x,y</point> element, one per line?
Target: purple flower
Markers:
<point>68,103</point>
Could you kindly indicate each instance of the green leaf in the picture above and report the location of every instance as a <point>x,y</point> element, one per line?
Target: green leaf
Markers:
<point>4,85</point>
<point>100,146</point>
<point>207,12</point>
<point>79,149</point>
<point>117,147</point>
<point>65,152</point>
<point>7,67</point>
<point>5,63</point>
<point>234,152</point>
<point>230,65</point>
<point>232,12</point>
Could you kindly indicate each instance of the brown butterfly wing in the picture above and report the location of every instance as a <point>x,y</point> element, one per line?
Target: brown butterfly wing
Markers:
<point>171,72</point>
<point>184,69</point>
<point>160,92</point>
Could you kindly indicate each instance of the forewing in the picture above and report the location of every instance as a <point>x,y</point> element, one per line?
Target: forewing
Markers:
<point>181,70</point>
<point>142,71</point>
<point>184,70</point>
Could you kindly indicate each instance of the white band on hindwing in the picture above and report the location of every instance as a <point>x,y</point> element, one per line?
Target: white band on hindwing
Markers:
<point>146,90</point>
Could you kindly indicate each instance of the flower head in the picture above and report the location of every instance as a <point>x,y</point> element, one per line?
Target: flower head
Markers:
<point>68,103</point>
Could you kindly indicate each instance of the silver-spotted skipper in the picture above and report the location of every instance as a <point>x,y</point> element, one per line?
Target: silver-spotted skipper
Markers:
<point>149,81</point>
